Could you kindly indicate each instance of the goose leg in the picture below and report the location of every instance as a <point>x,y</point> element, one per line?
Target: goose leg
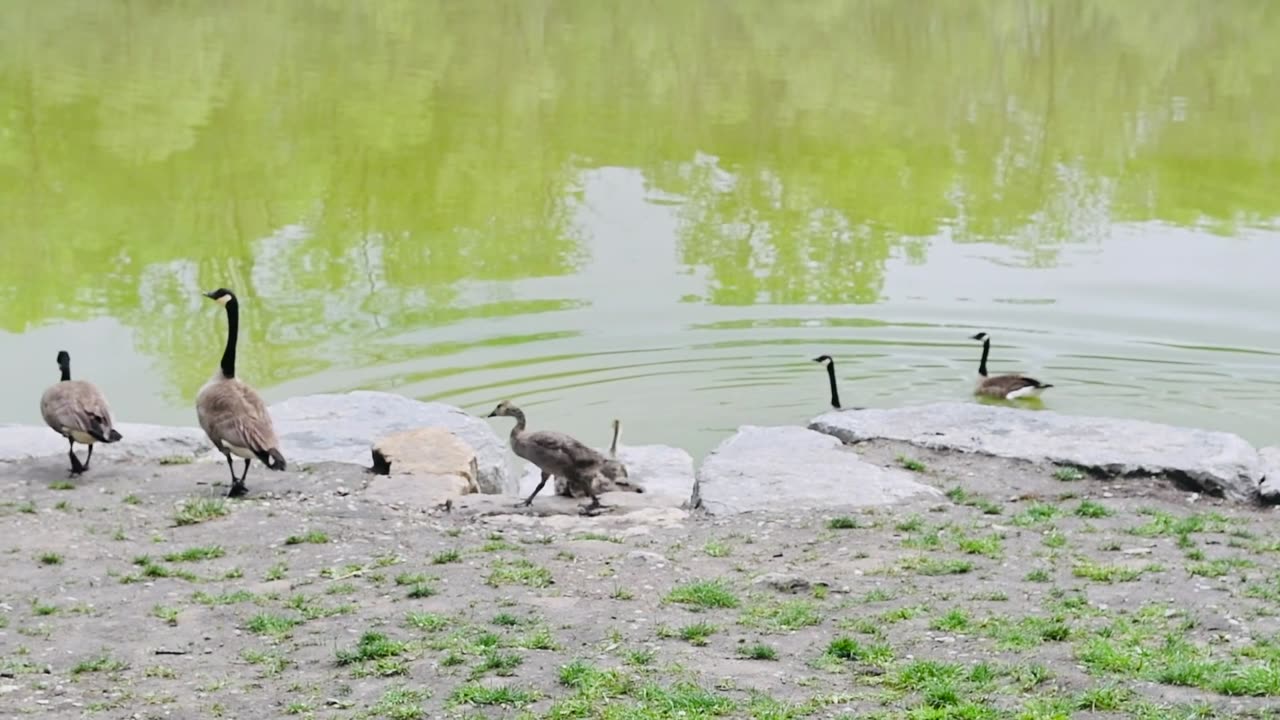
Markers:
<point>76,467</point>
<point>595,506</point>
<point>88,458</point>
<point>529,500</point>
<point>238,487</point>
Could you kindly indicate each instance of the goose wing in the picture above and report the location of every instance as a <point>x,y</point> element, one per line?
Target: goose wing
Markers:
<point>232,413</point>
<point>562,449</point>
<point>1005,384</point>
<point>78,405</point>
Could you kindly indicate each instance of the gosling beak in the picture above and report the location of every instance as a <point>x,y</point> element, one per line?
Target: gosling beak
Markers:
<point>493,414</point>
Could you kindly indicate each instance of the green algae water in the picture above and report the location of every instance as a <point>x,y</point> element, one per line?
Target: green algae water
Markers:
<point>653,211</point>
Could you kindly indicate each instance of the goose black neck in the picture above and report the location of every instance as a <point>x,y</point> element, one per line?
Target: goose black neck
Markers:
<point>982,365</point>
<point>233,333</point>
<point>831,377</point>
<point>66,370</point>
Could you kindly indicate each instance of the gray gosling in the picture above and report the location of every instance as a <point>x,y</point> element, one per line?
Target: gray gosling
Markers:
<point>231,413</point>
<point>555,453</point>
<point>1009,387</point>
<point>78,411</point>
<point>613,476</point>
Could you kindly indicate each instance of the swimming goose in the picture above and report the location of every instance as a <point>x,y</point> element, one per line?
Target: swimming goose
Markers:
<point>555,453</point>
<point>1009,387</point>
<point>231,413</point>
<point>831,378</point>
<point>78,411</point>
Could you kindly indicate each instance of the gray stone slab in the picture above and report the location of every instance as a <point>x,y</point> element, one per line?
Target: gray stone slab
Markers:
<point>140,442</point>
<point>1218,463</point>
<point>343,428</point>
<point>785,468</point>
<point>1270,487</point>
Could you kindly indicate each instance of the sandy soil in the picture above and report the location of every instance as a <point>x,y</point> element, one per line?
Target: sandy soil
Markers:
<point>138,592</point>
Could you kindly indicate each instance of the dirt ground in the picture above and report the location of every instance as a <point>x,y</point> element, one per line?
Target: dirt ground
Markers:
<point>1027,592</point>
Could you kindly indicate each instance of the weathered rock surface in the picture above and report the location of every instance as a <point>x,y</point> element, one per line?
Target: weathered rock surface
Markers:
<point>342,428</point>
<point>1219,463</point>
<point>1270,487</point>
<point>785,468</point>
<point>141,442</point>
<point>422,468</point>
<point>666,473</point>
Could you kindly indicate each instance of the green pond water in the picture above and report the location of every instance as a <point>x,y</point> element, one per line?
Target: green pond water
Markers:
<point>657,211</point>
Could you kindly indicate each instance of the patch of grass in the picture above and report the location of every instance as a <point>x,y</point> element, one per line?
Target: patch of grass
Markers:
<point>400,703</point>
<point>1039,575</point>
<point>758,651</point>
<point>474,693</point>
<point>198,510</point>
<point>782,616</point>
<point>1218,567</point>
<point>195,554</point>
<point>61,485</point>
<point>445,557</point>
<point>717,548</point>
<point>101,663</point>
<point>270,624</point>
<point>276,572</point>
<point>706,594</point>
<point>1026,632</point>
<point>1102,572</point>
<point>1091,509</point>
<point>228,598</point>
<point>371,646</point>
<point>960,496</point>
<point>849,649</point>
<point>933,566</point>
<point>426,621</point>
<point>843,522</point>
<point>910,463</point>
<point>1036,514</point>
<point>1166,524</point>
<point>991,545</point>
<point>177,460</point>
<point>497,662</point>
<point>518,572</point>
<point>272,663</point>
<point>168,614</point>
<point>1068,474</point>
<point>421,590</point>
<point>50,558</point>
<point>955,620</point>
<point>697,633</point>
<point>313,537</point>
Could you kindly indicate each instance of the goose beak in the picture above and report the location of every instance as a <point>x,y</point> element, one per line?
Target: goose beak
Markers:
<point>493,414</point>
<point>208,294</point>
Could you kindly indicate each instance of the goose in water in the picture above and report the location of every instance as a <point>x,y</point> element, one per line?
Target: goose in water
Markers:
<point>231,413</point>
<point>1009,387</point>
<point>830,364</point>
<point>78,411</point>
<point>555,453</point>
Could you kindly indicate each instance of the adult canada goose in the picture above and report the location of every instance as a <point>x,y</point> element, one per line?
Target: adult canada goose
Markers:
<point>78,411</point>
<point>1009,386</point>
<point>231,413</point>
<point>831,378</point>
<point>555,453</point>
<point>613,473</point>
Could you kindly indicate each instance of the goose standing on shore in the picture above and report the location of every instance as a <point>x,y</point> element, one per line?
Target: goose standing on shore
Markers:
<point>830,364</point>
<point>78,411</point>
<point>231,413</point>
<point>1009,387</point>
<point>555,453</point>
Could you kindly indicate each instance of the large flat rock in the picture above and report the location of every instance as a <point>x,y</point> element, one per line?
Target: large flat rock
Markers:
<point>140,442</point>
<point>1219,463</point>
<point>1270,487</point>
<point>344,427</point>
<point>312,429</point>
<point>786,468</point>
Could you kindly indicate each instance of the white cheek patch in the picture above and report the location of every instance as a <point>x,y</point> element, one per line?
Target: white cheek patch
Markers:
<point>223,300</point>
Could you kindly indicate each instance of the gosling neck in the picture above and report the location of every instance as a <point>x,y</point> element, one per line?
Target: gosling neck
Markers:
<point>518,414</point>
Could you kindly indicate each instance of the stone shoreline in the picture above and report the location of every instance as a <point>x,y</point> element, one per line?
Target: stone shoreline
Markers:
<point>757,468</point>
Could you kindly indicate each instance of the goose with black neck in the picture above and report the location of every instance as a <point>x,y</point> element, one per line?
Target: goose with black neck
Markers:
<point>231,413</point>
